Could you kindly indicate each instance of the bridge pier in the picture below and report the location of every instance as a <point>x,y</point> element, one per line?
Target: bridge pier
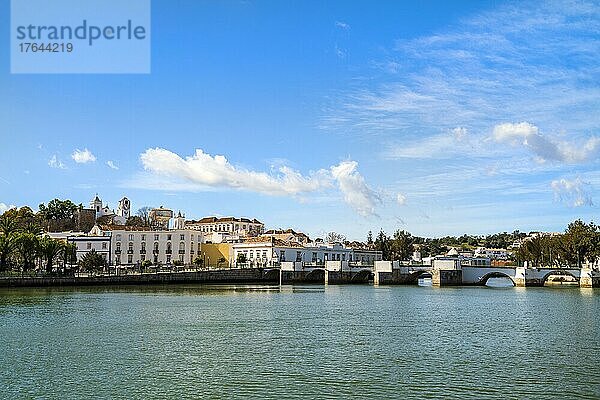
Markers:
<point>446,277</point>
<point>588,280</point>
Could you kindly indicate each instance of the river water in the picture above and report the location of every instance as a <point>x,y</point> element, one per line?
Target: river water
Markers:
<point>300,342</point>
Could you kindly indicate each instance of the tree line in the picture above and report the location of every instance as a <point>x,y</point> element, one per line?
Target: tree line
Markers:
<point>580,242</point>
<point>24,248</point>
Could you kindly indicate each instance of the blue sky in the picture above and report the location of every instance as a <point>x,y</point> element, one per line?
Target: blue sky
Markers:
<point>433,117</point>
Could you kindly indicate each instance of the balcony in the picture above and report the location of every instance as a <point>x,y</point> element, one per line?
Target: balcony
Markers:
<point>169,252</point>
<point>118,251</point>
<point>181,251</point>
<point>154,251</point>
<point>143,251</point>
<point>130,251</point>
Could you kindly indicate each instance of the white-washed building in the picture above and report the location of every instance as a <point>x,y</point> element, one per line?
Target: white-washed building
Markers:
<point>130,245</point>
<point>270,251</point>
<point>86,243</point>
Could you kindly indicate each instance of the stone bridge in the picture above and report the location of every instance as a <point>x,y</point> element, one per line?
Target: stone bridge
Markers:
<point>387,272</point>
<point>328,273</point>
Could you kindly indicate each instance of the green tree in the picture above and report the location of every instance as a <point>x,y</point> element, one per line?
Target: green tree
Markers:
<point>50,250</point>
<point>198,262</point>
<point>401,247</point>
<point>8,245</point>
<point>581,239</point>
<point>92,261</point>
<point>26,247</point>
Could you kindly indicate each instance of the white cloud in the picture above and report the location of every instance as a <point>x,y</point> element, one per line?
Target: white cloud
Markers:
<point>342,25</point>
<point>354,188</point>
<point>168,171</point>
<point>543,148</point>
<point>54,162</point>
<point>573,192</point>
<point>83,156</point>
<point>111,164</point>
<point>206,170</point>
<point>401,199</point>
<point>4,207</point>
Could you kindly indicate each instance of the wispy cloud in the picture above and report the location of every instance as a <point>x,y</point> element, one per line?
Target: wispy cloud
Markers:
<point>342,25</point>
<point>54,162</point>
<point>83,156</point>
<point>111,164</point>
<point>168,171</point>
<point>498,66</point>
<point>574,192</point>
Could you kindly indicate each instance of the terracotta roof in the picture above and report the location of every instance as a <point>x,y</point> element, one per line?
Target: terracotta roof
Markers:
<point>276,242</point>
<point>212,220</point>
<point>115,227</point>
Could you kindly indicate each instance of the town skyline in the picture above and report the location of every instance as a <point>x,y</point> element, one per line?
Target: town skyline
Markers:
<point>444,120</point>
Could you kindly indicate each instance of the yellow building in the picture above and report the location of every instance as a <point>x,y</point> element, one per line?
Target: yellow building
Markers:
<point>215,254</point>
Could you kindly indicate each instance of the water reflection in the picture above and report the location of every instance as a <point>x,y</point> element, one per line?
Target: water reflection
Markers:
<point>499,282</point>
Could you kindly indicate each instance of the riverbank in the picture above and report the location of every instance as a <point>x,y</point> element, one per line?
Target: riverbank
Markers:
<point>233,276</point>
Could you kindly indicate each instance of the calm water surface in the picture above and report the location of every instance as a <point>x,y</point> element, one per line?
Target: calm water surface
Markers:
<point>300,342</point>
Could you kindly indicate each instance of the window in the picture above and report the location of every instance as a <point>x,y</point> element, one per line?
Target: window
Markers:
<point>264,254</point>
<point>298,256</point>
<point>131,236</point>
<point>130,246</point>
<point>168,259</point>
<point>118,260</point>
<point>282,255</point>
<point>169,237</point>
<point>130,259</point>
<point>103,245</point>
<point>118,246</point>
<point>181,245</point>
<point>181,257</point>
<point>144,237</point>
<point>168,247</point>
<point>89,246</point>
<point>144,246</point>
<point>118,237</point>
<point>314,257</point>
<point>181,237</point>
<point>343,257</point>
<point>143,257</point>
<point>155,246</point>
<point>192,237</point>
<point>251,254</point>
<point>155,237</point>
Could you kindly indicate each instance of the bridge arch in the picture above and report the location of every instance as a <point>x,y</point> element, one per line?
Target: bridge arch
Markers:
<point>317,275</point>
<point>415,276</point>
<point>562,272</point>
<point>495,274</point>
<point>272,274</point>
<point>361,276</point>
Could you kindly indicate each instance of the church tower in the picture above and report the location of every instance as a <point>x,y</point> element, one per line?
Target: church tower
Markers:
<point>179,221</point>
<point>124,208</point>
<point>96,205</point>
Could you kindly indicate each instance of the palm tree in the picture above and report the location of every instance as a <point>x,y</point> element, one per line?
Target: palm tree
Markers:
<point>49,249</point>
<point>27,246</point>
<point>7,247</point>
<point>92,261</point>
